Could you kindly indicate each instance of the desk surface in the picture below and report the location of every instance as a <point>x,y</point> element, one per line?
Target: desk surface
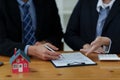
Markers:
<point>44,70</point>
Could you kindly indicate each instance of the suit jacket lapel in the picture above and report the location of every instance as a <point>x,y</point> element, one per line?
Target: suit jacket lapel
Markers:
<point>114,10</point>
<point>14,13</point>
<point>39,9</point>
<point>93,18</point>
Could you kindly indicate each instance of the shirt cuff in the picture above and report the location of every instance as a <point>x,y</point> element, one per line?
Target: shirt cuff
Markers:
<point>26,49</point>
<point>107,48</point>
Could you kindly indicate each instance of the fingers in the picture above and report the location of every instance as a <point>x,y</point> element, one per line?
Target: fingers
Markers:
<point>95,46</point>
<point>97,42</point>
<point>87,49</point>
<point>92,49</point>
<point>100,50</point>
<point>49,55</point>
<point>86,46</point>
<point>84,50</point>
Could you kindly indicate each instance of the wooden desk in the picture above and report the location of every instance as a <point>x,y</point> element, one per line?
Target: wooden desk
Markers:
<point>44,70</point>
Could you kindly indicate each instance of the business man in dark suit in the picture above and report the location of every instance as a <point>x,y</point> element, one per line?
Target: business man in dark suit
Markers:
<point>87,33</point>
<point>45,24</point>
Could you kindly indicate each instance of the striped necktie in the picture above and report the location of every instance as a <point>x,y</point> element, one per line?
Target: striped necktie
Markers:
<point>28,31</point>
<point>101,20</point>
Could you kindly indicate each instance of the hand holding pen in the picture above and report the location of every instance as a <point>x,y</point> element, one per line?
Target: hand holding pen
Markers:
<point>42,52</point>
<point>47,47</point>
<point>52,50</point>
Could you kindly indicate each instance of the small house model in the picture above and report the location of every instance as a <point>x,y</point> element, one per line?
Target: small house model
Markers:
<point>20,62</point>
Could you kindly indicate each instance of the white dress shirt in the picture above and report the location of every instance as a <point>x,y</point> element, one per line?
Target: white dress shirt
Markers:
<point>103,5</point>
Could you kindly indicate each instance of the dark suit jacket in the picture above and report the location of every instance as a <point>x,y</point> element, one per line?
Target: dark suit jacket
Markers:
<point>48,25</point>
<point>81,28</point>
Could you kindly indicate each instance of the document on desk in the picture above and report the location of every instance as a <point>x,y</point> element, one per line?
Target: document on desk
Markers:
<point>72,59</point>
<point>107,57</point>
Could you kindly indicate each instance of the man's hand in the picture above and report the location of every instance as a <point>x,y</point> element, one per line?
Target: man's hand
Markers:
<point>38,50</point>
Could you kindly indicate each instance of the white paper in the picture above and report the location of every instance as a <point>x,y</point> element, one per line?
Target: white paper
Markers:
<point>108,57</point>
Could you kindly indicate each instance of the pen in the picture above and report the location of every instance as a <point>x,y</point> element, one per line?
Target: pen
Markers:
<point>46,46</point>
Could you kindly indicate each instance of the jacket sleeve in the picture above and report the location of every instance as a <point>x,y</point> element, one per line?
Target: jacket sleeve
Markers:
<point>6,45</point>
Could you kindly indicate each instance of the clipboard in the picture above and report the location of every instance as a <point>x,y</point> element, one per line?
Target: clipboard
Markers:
<point>72,59</point>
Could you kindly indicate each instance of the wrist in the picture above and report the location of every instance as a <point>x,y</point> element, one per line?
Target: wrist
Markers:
<point>106,41</point>
<point>31,50</point>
